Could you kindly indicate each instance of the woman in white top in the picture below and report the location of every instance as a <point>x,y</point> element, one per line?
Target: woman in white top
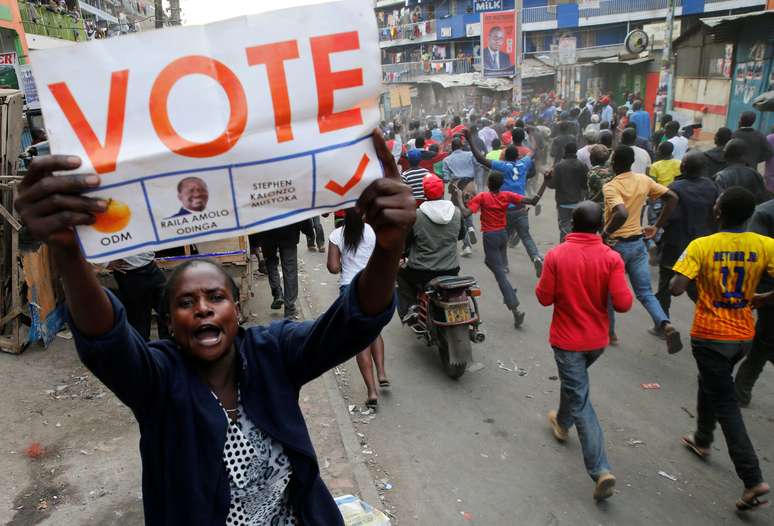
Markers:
<point>350,248</point>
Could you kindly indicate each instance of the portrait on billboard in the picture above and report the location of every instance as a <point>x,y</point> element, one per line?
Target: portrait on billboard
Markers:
<point>498,43</point>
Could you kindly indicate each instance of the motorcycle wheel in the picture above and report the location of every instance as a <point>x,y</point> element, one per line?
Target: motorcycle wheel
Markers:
<point>456,370</point>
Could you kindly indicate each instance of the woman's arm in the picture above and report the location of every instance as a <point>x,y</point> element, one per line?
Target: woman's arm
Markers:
<point>50,208</point>
<point>388,206</point>
<point>334,259</point>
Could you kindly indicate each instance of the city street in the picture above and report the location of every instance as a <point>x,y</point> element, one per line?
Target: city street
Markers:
<point>479,450</point>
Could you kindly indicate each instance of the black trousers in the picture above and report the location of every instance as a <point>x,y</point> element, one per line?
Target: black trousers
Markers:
<point>717,403</point>
<point>762,351</point>
<point>141,293</point>
<point>410,280</point>
<point>664,297</point>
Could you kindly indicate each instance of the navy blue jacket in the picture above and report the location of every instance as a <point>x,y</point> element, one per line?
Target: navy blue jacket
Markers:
<point>182,428</point>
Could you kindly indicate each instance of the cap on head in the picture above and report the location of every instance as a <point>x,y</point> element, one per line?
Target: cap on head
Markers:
<point>414,156</point>
<point>433,187</point>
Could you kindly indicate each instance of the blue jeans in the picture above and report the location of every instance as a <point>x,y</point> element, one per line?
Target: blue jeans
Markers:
<point>518,223</point>
<point>635,258</point>
<point>575,407</point>
<point>496,258</point>
<point>468,222</point>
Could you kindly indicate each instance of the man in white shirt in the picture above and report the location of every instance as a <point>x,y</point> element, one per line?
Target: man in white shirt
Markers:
<point>641,157</point>
<point>672,133</point>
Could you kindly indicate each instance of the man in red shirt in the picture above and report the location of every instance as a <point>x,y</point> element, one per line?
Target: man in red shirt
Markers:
<point>578,277</point>
<point>493,205</point>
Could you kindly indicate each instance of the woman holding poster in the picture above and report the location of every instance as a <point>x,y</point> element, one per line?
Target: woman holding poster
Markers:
<point>223,440</point>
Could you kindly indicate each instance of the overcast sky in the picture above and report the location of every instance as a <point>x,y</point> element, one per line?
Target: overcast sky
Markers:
<point>204,11</point>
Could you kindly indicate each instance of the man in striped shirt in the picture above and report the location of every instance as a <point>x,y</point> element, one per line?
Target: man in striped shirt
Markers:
<point>414,175</point>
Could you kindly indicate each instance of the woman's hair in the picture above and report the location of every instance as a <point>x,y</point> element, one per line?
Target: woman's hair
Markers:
<point>174,279</point>
<point>353,230</point>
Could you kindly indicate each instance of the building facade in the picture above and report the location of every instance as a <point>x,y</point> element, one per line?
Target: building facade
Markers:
<point>576,46</point>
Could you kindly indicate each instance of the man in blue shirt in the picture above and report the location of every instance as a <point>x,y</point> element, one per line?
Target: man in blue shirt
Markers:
<point>641,119</point>
<point>515,173</point>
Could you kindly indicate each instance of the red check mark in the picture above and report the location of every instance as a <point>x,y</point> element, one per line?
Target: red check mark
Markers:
<point>336,188</point>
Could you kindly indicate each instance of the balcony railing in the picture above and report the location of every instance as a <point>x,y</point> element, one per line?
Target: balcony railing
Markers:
<point>408,71</point>
<point>407,32</point>
<point>49,21</point>
<point>534,15</point>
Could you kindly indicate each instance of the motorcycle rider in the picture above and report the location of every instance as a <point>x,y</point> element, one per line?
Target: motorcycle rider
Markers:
<point>431,245</point>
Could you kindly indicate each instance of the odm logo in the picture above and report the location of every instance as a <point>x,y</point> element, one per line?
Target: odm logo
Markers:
<point>115,218</point>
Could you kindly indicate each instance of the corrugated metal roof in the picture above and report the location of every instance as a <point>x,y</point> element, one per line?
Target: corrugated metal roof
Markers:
<point>467,79</point>
<point>718,20</point>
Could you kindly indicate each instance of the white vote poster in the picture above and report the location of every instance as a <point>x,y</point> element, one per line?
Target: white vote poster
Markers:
<point>207,132</point>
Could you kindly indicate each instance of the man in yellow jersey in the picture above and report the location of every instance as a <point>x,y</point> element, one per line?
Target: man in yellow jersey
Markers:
<point>727,267</point>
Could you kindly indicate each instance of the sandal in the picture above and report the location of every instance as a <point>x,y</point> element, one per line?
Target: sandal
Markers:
<point>753,503</point>
<point>384,383</point>
<point>690,442</point>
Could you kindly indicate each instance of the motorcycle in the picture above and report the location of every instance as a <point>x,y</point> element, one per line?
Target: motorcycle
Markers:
<point>447,315</point>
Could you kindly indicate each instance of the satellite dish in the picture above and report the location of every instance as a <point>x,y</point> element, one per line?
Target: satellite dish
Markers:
<point>636,41</point>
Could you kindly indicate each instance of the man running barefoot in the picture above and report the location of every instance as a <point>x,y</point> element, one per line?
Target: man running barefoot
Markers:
<point>578,278</point>
<point>727,267</point>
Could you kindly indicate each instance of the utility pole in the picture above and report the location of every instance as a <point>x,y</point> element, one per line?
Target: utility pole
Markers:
<point>174,12</point>
<point>666,79</point>
<point>158,9</point>
<point>517,42</point>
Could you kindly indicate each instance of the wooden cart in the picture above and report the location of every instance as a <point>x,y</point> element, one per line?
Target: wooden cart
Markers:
<point>232,253</point>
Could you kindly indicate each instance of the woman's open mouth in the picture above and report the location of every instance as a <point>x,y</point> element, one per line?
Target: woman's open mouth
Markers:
<point>208,335</point>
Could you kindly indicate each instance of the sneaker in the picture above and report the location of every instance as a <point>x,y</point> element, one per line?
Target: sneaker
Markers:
<point>560,433</point>
<point>674,342</point>
<point>472,235</point>
<point>466,252</point>
<point>292,315</point>
<point>538,262</point>
<point>321,249</point>
<point>277,304</point>
<point>605,487</point>
<point>518,318</point>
